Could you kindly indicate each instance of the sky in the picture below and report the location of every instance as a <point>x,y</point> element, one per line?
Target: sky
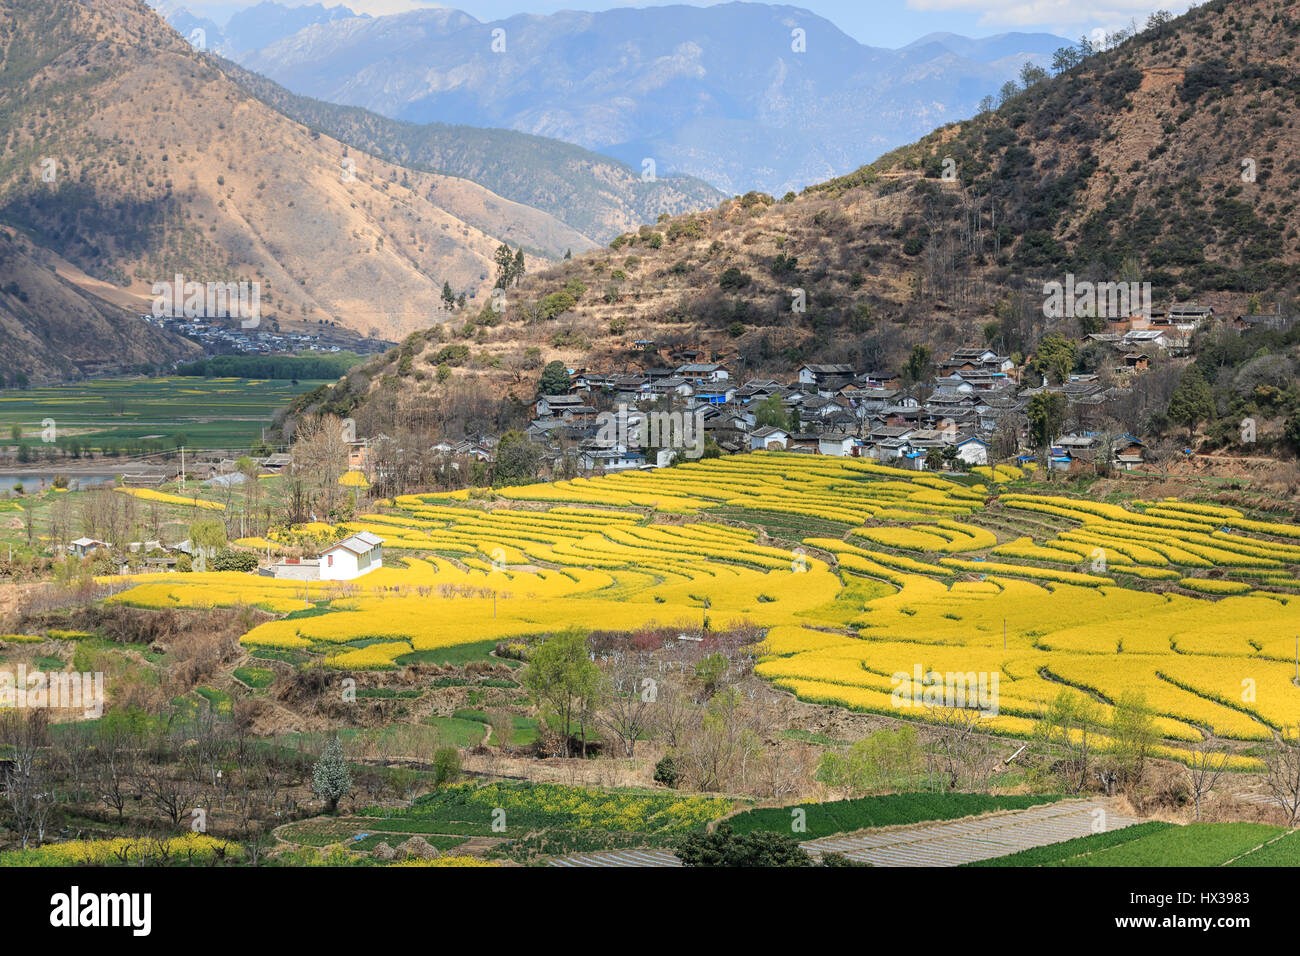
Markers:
<point>887,23</point>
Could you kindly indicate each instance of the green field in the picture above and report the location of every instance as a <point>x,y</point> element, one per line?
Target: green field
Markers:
<point>846,816</point>
<point>1163,844</point>
<point>140,414</point>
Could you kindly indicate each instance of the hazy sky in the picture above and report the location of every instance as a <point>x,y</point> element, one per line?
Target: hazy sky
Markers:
<point>889,23</point>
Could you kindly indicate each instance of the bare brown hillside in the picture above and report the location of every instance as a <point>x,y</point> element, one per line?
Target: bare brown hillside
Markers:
<point>1168,158</point>
<point>161,165</point>
<point>51,330</point>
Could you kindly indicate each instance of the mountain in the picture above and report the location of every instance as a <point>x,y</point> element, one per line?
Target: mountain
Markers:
<point>742,95</point>
<point>994,48</point>
<point>51,329</point>
<point>160,165</point>
<point>598,196</point>
<point>250,28</point>
<point>1129,166</point>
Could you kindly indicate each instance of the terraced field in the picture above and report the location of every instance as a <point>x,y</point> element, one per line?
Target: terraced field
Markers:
<point>1193,606</point>
<point>926,844</point>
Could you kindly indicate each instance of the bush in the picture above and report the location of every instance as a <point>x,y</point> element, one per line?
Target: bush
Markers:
<point>446,766</point>
<point>733,278</point>
<point>725,848</point>
<point>666,772</point>
<point>228,559</point>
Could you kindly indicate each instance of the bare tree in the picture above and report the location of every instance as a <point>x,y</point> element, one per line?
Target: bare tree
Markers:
<point>958,748</point>
<point>1282,769</point>
<point>171,794</point>
<point>628,698</point>
<point>28,793</point>
<point>1203,772</point>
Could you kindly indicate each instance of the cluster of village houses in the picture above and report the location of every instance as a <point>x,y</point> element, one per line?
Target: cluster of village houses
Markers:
<point>838,411</point>
<point>842,411</point>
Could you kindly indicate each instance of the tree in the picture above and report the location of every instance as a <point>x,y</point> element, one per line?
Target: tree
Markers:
<point>555,379</point>
<point>24,735</point>
<point>917,367</point>
<point>1192,401</point>
<point>319,459</point>
<point>207,535</point>
<point>331,780</point>
<point>1054,358</point>
<point>1066,730</point>
<point>1065,58</point>
<point>1282,771</point>
<point>771,412</point>
<point>448,296</point>
<point>562,676</point>
<point>505,260</point>
<point>446,766</point>
<point>883,760</point>
<point>626,701</point>
<point>1032,74</point>
<point>517,460</point>
<point>666,772</point>
<point>1133,734</point>
<point>1203,771</point>
<point>1046,412</point>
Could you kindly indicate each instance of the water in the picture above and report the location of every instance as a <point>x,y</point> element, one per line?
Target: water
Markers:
<point>35,481</point>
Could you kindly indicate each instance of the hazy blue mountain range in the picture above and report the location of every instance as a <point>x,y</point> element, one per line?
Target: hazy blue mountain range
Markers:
<point>252,28</point>
<point>598,196</point>
<point>716,92</point>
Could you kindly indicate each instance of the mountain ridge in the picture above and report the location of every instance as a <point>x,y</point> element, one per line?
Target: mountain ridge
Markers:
<point>160,167</point>
<point>695,90</point>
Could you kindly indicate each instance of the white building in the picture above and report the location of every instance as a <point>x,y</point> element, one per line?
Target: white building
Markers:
<point>352,557</point>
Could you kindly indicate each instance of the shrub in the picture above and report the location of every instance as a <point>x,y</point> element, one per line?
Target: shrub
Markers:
<point>228,559</point>
<point>446,766</point>
<point>725,848</point>
<point>666,772</point>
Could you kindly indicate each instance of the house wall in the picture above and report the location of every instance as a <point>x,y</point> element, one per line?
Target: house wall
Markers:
<point>339,565</point>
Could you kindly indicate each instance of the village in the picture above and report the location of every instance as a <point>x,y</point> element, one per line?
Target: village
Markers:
<point>971,411</point>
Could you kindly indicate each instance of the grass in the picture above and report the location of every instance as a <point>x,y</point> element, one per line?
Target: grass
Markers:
<point>125,412</point>
<point>845,816</point>
<point>255,677</point>
<point>457,654</point>
<point>218,700</point>
<point>1283,852</point>
<point>1054,853</point>
<point>1197,844</point>
<point>524,730</point>
<point>458,731</point>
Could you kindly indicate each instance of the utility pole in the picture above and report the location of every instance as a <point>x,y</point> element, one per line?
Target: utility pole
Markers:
<point>182,467</point>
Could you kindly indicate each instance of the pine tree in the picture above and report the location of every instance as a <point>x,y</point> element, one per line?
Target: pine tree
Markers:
<point>1192,401</point>
<point>330,778</point>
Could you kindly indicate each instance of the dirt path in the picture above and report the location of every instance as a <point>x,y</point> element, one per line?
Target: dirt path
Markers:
<point>929,844</point>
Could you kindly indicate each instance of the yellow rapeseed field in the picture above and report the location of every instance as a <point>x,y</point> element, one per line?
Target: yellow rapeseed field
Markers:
<point>857,572</point>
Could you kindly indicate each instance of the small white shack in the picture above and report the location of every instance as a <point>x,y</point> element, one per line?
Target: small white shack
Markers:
<point>352,557</point>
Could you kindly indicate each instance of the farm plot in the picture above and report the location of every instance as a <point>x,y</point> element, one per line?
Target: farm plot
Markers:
<point>1175,602</point>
